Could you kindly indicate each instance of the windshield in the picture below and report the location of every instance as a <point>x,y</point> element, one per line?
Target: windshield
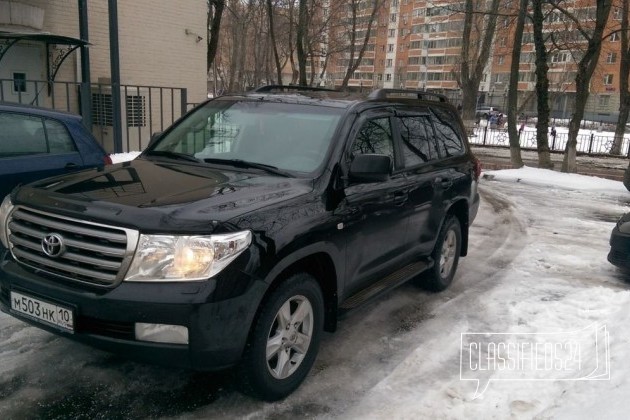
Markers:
<point>289,137</point>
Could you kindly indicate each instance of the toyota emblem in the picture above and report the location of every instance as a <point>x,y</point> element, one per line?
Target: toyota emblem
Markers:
<point>52,245</point>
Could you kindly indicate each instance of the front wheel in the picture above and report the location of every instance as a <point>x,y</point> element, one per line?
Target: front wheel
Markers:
<point>284,339</point>
<point>445,256</point>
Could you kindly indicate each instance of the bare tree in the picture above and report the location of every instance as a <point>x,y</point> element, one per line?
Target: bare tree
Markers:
<point>359,21</point>
<point>215,14</point>
<point>272,36</point>
<point>515,146</point>
<point>593,34</point>
<point>479,28</point>
<point>542,85</point>
<point>624,73</point>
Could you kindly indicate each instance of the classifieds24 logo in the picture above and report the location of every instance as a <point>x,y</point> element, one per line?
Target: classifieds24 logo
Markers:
<point>581,355</point>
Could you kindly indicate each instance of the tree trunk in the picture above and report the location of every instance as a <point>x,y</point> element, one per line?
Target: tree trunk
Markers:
<point>542,87</point>
<point>215,13</point>
<point>302,30</point>
<point>515,146</point>
<point>274,46</point>
<point>624,73</point>
<point>586,68</point>
<point>354,63</point>
<point>472,65</point>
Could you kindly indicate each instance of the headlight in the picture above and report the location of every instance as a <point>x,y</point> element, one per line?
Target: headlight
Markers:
<point>5,209</point>
<point>172,258</point>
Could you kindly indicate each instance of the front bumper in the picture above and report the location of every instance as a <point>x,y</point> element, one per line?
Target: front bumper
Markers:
<point>105,319</point>
<point>619,254</point>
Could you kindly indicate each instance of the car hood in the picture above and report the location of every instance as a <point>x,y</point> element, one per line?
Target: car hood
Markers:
<point>161,195</point>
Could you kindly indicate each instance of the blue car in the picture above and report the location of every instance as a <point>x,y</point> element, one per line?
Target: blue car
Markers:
<point>37,143</point>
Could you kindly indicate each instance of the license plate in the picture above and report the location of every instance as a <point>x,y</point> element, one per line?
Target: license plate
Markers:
<point>45,312</point>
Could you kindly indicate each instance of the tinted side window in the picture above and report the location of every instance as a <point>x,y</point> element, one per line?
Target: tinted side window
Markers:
<point>21,135</point>
<point>375,136</point>
<point>58,138</point>
<point>417,138</point>
<point>448,137</point>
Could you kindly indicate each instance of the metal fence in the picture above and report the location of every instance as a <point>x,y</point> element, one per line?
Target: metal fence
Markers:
<point>145,109</point>
<point>590,144</point>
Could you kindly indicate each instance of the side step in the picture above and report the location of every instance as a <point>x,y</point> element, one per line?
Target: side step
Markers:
<point>386,284</point>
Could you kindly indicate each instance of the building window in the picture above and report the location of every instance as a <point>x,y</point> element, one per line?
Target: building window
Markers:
<point>392,17</point>
<point>502,42</point>
<point>500,60</point>
<point>617,13</point>
<point>380,77</point>
<point>603,101</point>
<point>392,33</point>
<point>135,111</point>
<point>608,79</point>
<point>390,47</point>
<point>615,37</point>
<point>102,109</point>
<point>612,58</point>
<point>388,77</point>
<point>19,82</point>
<point>389,62</point>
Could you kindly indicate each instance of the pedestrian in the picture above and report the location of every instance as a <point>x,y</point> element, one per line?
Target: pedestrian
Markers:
<point>553,136</point>
<point>521,128</point>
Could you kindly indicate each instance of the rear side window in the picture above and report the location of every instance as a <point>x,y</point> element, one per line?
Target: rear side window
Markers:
<point>24,135</point>
<point>375,137</point>
<point>447,134</point>
<point>21,135</point>
<point>58,138</point>
<point>416,134</point>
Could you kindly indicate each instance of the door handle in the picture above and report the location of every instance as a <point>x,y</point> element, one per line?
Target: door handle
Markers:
<point>400,198</point>
<point>71,165</point>
<point>441,182</point>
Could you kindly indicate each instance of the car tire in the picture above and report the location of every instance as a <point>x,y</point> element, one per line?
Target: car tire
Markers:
<point>445,256</point>
<point>284,339</point>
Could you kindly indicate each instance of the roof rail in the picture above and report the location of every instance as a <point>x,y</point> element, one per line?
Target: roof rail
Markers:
<point>284,88</point>
<point>406,94</point>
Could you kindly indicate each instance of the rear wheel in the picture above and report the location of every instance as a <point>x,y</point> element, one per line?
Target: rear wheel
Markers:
<point>445,256</point>
<point>284,340</point>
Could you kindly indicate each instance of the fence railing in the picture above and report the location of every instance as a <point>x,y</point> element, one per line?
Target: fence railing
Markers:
<point>144,109</point>
<point>590,143</point>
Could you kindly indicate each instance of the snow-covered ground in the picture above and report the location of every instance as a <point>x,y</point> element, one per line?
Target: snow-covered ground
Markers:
<point>536,265</point>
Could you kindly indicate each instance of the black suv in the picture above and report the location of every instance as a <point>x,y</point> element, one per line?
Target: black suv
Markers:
<point>245,230</point>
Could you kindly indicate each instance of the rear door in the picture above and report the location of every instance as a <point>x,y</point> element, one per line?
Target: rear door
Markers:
<point>446,178</point>
<point>32,147</point>
<point>421,161</point>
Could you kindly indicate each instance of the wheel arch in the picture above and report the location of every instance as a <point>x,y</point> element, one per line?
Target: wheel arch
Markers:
<point>319,264</point>
<point>460,210</point>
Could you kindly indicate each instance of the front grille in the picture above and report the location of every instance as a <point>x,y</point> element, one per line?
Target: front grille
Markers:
<point>94,254</point>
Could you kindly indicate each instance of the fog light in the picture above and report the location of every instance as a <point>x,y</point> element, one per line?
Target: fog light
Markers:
<point>162,333</point>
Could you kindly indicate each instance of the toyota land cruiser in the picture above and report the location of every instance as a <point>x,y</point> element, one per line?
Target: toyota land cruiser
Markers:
<point>245,229</point>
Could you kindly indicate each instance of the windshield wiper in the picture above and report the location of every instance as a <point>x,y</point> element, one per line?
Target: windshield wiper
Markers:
<point>239,163</point>
<point>173,155</point>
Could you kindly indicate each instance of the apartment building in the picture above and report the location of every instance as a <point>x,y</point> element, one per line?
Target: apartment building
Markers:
<point>417,45</point>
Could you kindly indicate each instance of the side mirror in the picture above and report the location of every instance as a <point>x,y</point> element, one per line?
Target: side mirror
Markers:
<point>370,168</point>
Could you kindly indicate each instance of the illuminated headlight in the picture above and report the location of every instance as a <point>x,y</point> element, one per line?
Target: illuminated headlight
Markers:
<point>172,258</point>
<point>5,209</point>
<point>161,333</point>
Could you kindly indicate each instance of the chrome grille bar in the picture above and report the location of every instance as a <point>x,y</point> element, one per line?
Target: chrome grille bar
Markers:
<point>95,254</point>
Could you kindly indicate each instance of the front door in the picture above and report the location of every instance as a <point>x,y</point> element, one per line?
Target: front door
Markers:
<point>374,214</point>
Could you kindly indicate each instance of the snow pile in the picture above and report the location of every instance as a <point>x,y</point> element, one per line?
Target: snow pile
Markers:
<point>554,179</point>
